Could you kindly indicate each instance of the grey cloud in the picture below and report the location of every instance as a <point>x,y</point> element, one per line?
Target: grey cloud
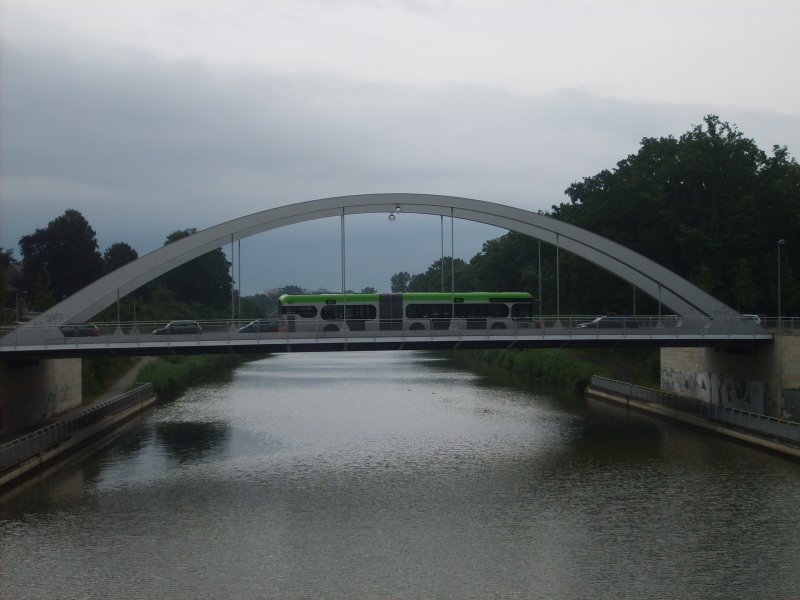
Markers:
<point>143,147</point>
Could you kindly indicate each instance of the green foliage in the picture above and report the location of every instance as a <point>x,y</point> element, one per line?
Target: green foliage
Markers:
<point>399,281</point>
<point>3,298</point>
<point>118,255</point>
<point>204,281</point>
<point>710,206</point>
<point>508,263</point>
<point>65,252</point>
<point>259,305</point>
<point>433,280</point>
<point>99,373</point>
<point>549,366</point>
<point>172,375</point>
<point>292,289</point>
<point>43,292</point>
<point>5,260</point>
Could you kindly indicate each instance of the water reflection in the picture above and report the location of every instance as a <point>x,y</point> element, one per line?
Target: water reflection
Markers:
<point>191,440</point>
<point>399,475</point>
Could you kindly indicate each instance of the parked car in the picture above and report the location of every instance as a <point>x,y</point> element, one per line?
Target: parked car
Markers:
<point>178,328</point>
<point>611,322</point>
<point>80,330</point>
<point>263,325</point>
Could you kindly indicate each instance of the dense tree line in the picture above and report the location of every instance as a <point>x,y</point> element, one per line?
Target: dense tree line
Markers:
<point>709,205</point>
<point>63,257</point>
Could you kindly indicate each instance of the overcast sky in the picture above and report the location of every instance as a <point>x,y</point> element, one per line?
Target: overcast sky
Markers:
<point>153,115</point>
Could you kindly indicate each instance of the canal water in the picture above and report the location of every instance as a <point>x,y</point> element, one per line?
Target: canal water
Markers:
<point>400,475</point>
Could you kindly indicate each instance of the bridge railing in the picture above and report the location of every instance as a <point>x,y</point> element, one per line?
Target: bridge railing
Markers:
<point>787,431</point>
<point>34,443</point>
<point>229,330</point>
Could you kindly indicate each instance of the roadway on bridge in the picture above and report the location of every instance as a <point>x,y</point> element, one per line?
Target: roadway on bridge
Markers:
<point>24,343</point>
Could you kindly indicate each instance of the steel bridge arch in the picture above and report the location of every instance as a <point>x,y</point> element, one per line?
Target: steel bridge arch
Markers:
<point>660,283</point>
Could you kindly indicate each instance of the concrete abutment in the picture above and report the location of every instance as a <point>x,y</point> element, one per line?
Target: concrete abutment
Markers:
<point>31,392</point>
<point>763,380</point>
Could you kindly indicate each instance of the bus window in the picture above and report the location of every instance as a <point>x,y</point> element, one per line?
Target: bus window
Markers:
<point>522,310</point>
<point>498,311</point>
<point>429,311</point>
<point>331,312</point>
<point>361,311</point>
<point>307,312</point>
<point>481,311</point>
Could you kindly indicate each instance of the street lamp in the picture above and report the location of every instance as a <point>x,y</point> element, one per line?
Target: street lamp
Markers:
<point>781,242</point>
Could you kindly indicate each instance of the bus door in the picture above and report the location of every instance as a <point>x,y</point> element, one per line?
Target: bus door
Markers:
<point>390,312</point>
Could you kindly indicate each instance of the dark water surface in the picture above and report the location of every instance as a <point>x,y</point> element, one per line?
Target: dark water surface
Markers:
<point>397,475</point>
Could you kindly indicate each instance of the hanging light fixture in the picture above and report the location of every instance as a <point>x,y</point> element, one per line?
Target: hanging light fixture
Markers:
<point>398,209</point>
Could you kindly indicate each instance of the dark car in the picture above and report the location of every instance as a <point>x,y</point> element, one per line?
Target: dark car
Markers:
<point>80,330</point>
<point>178,328</point>
<point>263,325</point>
<point>611,322</point>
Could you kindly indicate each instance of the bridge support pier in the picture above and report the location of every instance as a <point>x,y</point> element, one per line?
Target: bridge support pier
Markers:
<point>33,391</point>
<point>764,380</point>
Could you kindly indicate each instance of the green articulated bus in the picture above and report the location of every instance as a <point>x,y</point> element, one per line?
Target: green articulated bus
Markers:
<point>409,311</point>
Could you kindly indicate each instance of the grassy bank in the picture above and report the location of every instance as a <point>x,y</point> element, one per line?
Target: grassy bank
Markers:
<point>98,374</point>
<point>572,369</point>
<point>173,375</point>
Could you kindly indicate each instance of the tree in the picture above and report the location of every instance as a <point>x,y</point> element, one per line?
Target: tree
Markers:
<point>6,259</point>
<point>42,292</point>
<point>205,280</point>
<point>431,280</point>
<point>292,289</point>
<point>699,205</point>
<point>744,289</point>
<point>65,251</point>
<point>509,262</point>
<point>369,290</point>
<point>118,255</point>
<point>399,281</point>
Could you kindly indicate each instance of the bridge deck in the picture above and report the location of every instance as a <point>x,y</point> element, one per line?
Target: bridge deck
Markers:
<point>23,345</point>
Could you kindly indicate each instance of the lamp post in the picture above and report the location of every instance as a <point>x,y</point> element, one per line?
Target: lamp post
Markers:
<point>781,242</point>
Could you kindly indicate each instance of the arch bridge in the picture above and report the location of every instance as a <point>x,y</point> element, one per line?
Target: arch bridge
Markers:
<point>41,337</point>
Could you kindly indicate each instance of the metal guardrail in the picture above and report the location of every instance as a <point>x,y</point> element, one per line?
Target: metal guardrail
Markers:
<point>788,431</point>
<point>27,446</point>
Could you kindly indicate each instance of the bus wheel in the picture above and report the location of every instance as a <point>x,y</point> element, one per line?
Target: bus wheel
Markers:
<point>416,326</point>
<point>328,328</point>
<point>498,325</point>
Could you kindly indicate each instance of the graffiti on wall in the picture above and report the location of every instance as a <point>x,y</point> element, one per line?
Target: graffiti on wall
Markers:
<point>729,392</point>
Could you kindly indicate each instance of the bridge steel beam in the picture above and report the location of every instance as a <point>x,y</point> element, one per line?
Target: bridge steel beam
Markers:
<point>671,290</point>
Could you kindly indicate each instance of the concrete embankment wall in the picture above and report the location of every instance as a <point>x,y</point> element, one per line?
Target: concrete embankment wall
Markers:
<point>33,391</point>
<point>79,443</point>
<point>765,380</point>
<point>739,434</point>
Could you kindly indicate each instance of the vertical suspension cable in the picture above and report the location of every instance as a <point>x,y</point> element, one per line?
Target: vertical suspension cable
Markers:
<point>558,284</point>
<point>344,265</point>
<point>452,268</point>
<point>233,286</point>
<point>239,244</point>
<point>539,243</point>
<point>441,262</point>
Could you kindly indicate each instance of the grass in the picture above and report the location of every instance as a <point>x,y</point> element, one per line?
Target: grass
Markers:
<point>173,375</point>
<point>572,369</point>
